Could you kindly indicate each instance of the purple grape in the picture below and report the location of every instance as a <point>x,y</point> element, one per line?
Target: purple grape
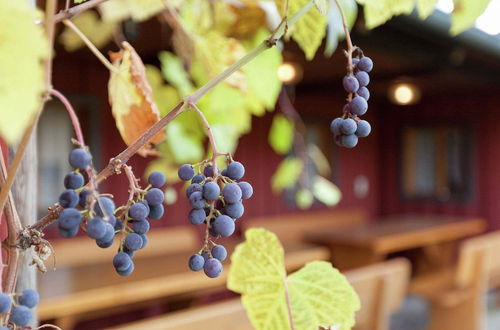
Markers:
<point>118,225</point>
<point>127,271</point>
<point>198,178</point>
<point>21,315</point>
<point>73,180</point>
<point>156,211</point>
<point>192,188</point>
<point>156,179</point>
<point>348,126</point>
<point>246,189</point>
<point>349,141</point>
<point>68,233</point>
<point>186,172</point>
<point>359,106</point>
<point>108,205</point>
<point>335,126</point>
<point>68,198</point>
<point>211,191</point>
<point>197,216</point>
<point>223,225</point>
<point>133,241</point>
<point>130,253</point>
<point>196,200</point>
<point>208,171</point>
<point>235,210</point>
<point>232,193</point>
<point>145,241</point>
<point>212,268</point>
<point>69,218</point>
<point>5,303</point>
<point>155,196</point>
<point>351,85</point>
<point>364,93</point>
<point>205,255</point>
<point>212,232</point>
<point>235,170</point>
<point>104,244</point>
<point>224,172</point>
<point>79,158</point>
<point>96,228</point>
<point>110,233</point>
<point>363,78</point>
<point>365,64</point>
<point>219,252</point>
<point>138,211</point>
<point>29,298</point>
<point>112,220</point>
<point>83,197</point>
<point>121,261</point>
<point>364,128</point>
<point>196,262</point>
<point>140,226</point>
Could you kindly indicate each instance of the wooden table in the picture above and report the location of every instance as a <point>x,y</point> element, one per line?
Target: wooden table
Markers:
<point>86,291</point>
<point>364,244</point>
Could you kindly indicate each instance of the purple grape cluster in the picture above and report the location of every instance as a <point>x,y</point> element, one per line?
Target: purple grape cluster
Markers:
<point>20,311</point>
<point>216,199</point>
<point>133,223</point>
<point>97,214</point>
<point>348,128</point>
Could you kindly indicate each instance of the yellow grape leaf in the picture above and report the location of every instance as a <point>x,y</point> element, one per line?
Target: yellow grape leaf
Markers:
<point>318,293</point>
<point>80,1</point>
<point>319,159</point>
<point>321,295</point>
<point>23,47</point>
<point>99,32</point>
<point>425,7</point>
<point>281,134</point>
<point>131,98</point>
<point>322,6</point>
<point>249,18</point>
<point>138,10</point>
<point>114,10</point>
<point>325,191</point>
<point>465,13</point>
<point>142,10</point>
<point>309,29</point>
<point>287,174</point>
<point>377,12</point>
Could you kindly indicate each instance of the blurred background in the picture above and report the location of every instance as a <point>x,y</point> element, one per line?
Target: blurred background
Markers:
<point>421,191</point>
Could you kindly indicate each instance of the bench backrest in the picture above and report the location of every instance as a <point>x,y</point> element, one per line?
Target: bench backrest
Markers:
<point>292,227</point>
<point>381,289</point>
<point>83,250</point>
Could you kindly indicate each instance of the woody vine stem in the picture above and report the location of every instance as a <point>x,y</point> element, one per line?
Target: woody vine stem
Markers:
<point>118,162</point>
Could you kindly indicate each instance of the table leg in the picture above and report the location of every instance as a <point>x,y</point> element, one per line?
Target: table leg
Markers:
<point>347,257</point>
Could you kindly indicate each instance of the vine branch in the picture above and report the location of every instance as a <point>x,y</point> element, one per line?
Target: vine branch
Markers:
<point>125,155</point>
<point>73,11</point>
<point>72,115</point>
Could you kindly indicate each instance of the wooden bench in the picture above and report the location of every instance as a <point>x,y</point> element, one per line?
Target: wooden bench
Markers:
<point>293,227</point>
<point>457,296</point>
<point>85,284</point>
<point>381,289</point>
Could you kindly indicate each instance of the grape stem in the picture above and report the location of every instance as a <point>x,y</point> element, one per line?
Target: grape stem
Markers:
<point>288,305</point>
<point>72,115</point>
<point>132,180</point>
<point>73,11</point>
<point>91,46</point>
<point>124,156</point>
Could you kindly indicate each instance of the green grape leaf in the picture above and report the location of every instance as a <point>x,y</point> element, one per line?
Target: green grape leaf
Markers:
<point>287,174</point>
<point>262,74</point>
<point>319,159</point>
<point>142,10</point>
<point>174,73</point>
<point>335,29</point>
<point>377,12</point>
<point>322,6</point>
<point>425,7</point>
<point>185,148</point>
<point>465,14</point>
<point>114,10</point>
<point>321,295</point>
<point>99,32</point>
<point>325,191</point>
<point>226,137</point>
<point>23,47</point>
<point>318,294</point>
<point>309,29</point>
<point>304,199</point>
<point>166,97</point>
<point>281,134</point>
<point>164,164</point>
<point>80,1</point>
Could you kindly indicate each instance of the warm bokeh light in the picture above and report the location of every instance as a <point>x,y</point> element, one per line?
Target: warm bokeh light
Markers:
<point>289,73</point>
<point>404,93</point>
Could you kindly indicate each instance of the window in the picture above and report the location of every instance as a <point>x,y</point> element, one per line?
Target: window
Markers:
<point>436,163</point>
